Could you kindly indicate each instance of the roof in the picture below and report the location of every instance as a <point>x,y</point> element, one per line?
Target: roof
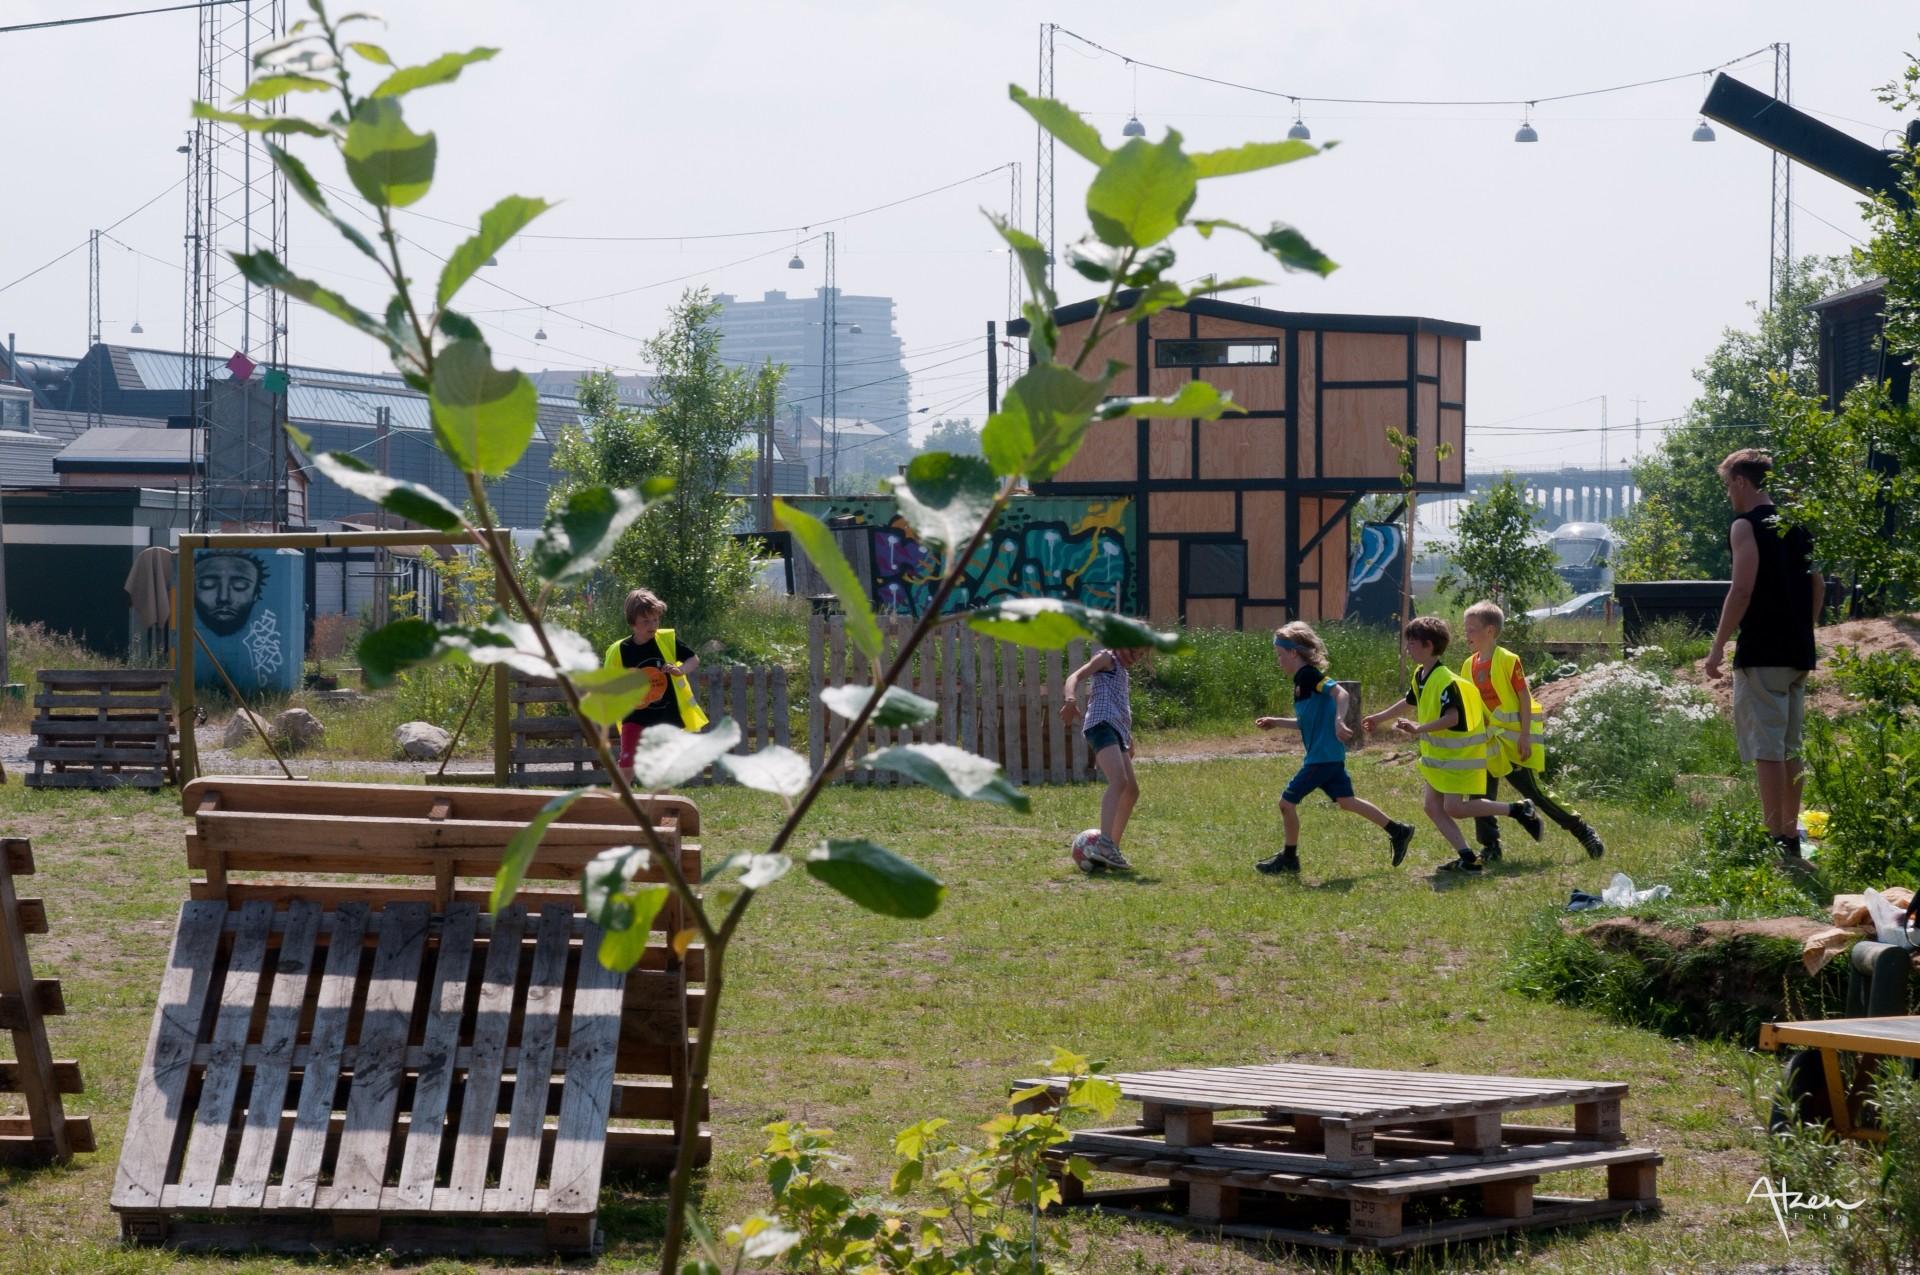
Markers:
<point>67,426</point>
<point>113,447</point>
<point>1080,311</point>
<point>1872,290</point>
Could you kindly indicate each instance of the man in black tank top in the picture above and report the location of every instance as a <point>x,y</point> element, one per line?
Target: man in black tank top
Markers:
<point>1774,603</point>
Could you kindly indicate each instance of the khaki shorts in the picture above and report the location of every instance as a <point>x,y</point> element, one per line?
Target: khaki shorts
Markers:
<point>1769,712</point>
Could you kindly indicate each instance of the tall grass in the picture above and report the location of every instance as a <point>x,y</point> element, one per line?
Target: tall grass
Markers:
<point>30,648</point>
<point>1228,677</point>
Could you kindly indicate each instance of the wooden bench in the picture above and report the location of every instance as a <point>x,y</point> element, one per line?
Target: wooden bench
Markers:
<point>103,728</point>
<point>46,1134</point>
<point>349,1049</point>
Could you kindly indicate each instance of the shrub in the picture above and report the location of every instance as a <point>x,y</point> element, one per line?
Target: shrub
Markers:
<point>1866,773</point>
<point>1734,867</point>
<point>1628,731</point>
<point>1879,1232</point>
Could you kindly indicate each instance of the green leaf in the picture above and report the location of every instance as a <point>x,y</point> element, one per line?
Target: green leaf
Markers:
<point>412,501</point>
<point>1030,253</point>
<point>1051,623</point>
<point>1040,422</point>
<point>1250,158</point>
<point>1196,400</point>
<point>388,162</point>
<point>897,707</point>
<point>1061,120</point>
<point>578,535</point>
<point>622,949</point>
<point>521,846</point>
<point>383,653</point>
<point>442,70</point>
<point>458,326</point>
<point>773,769</point>
<point>945,498</point>
<point>667,756</point>
<point>1141,195</point>
<point>1212,287</point>
<point>267,271</point>
<point>1283,243</point>
<point>1043,334</point>
<point>607,695</point>
<point>876,878</point>
<point>263,123</point>
<point>483,416</point>
<point>819,546</point>
<point>308,189</point>
<point>371,52</point>
<point>498,224</point>
<point>953,771</point>
<point>270,88</point>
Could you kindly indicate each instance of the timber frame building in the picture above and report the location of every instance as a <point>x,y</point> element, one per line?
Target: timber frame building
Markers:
<point>1243,522</point>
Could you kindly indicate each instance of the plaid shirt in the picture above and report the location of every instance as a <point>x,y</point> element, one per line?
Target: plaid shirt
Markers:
<point>1110,702</point>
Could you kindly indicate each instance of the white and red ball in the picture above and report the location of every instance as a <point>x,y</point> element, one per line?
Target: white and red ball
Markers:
<point>1081,845</point>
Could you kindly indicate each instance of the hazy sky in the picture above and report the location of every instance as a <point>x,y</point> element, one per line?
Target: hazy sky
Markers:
<point>1604,260</point>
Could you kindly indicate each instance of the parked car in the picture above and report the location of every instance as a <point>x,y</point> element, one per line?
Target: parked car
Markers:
<point>1582,606</point>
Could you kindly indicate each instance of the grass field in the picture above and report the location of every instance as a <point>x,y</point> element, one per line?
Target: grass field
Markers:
<point>867,1025</point>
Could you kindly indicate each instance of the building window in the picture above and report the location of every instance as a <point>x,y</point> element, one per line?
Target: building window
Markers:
<point>1216,568</point>
<point>1216,353</point>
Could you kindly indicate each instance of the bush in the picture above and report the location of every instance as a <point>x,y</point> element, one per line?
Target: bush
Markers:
<point>1227,678</point>
<point>1672,643</point>
<point>1866,773</point>
<point>1881,1235</point>
<point>1734,868</point>
<point>1628,731</point>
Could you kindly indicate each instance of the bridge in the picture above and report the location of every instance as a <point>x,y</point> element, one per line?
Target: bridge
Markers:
<point>1560,495</point>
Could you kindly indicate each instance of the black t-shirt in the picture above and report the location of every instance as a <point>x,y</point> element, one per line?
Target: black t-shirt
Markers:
<point>1777,630</point>
<point>664,711</point>
<point>1449,698</point>
<point>1306,682</point>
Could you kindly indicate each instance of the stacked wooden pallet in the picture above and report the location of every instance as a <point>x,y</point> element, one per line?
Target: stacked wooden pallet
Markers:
<point>103,728</point>
<point>1351,1159</point>
<point>46,1134</point>
<point>380,1061</point>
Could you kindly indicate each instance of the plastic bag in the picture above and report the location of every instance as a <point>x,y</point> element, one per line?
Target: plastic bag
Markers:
<point>1889,920</point>
<point>1621,894</point>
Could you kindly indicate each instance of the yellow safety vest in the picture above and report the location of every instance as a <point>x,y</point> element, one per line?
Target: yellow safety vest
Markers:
<point>1503,718</point>
<point>690,715</point>
<point>1453,761</point>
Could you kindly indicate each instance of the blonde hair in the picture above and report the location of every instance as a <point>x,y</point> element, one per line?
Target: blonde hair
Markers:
<point>1305,641</point>
<point>1487,613</point>
<point>644,602</point>
<point>1749,463</point>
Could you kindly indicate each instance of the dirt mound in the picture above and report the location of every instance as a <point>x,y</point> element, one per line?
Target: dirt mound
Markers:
<point>1728,976</point>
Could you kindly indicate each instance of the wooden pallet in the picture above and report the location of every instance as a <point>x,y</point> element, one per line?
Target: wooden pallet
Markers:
<point>381,1062</point>
<point>549,749</point>
<point>46,1134</point>
<point>103,728</point>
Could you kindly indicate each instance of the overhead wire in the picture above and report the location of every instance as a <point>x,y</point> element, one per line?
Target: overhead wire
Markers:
<point>83,243</point>
<point>49,23</point>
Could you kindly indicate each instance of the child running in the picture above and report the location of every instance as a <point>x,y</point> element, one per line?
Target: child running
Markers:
<point>1320,711</point>
<point>1512,714</point>
<point>1109,732</point>
<point>1452,734</point>
<point>652,647</point>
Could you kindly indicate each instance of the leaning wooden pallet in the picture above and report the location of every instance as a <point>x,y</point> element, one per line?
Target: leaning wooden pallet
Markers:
<point>1350,1158</point>
<point>46,1134</point>
<point>103,728</point>
<point>381,1061</point>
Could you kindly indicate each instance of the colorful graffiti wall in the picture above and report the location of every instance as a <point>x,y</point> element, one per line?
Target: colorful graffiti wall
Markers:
<point>1078,548</point>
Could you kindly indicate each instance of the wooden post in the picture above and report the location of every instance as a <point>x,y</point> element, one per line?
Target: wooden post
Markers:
<point>1477,1133</point>
<point>1631,1181</point>
<point>183,661</point>
<point>1189,1126</point>
<point>1508,1199</point>
<point>1599,1120</point>
<point>502,710</point>
<point>1212,1202</point>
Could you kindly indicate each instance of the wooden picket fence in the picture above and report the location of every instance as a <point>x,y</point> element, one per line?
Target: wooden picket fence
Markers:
<point>996,699</point>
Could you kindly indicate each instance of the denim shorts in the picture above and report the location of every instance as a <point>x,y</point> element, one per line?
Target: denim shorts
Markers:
<point>1329,777</point>
<point>1102,736</point>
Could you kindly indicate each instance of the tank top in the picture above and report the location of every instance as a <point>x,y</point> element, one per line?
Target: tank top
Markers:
<point>1777,630</point>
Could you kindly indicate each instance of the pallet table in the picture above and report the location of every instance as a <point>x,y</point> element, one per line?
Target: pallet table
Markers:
<point>382,1062</point>
<point>103,728</point>
<point>1870,1039</point>
<point>1350,1158</point>
<point>46,1134</point>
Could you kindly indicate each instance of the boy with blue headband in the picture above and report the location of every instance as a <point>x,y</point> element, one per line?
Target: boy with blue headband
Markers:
<point>1320,712</point>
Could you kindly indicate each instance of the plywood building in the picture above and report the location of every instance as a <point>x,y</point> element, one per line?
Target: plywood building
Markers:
<point>1243,521</point>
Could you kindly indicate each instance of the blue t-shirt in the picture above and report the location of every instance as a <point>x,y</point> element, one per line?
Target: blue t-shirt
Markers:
<point>1317,711</point>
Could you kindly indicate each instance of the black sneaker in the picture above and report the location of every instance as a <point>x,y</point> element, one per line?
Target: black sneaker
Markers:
<point>1465,862</point>
<point>1490,853</point>
<point>1285,861</point>
<point>1399,836</point>
<point>1527,817</point>
<point>1591,840</point>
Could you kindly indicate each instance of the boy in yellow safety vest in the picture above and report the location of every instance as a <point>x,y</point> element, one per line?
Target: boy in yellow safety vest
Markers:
<point>653,648</point>
<point>1513,719</point>
<point>1452,734</point>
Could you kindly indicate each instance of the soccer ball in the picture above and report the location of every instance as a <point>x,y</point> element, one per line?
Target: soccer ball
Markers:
<point>1083,843</point>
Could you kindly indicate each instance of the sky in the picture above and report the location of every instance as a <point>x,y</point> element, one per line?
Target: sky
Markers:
<point>1605,260</point>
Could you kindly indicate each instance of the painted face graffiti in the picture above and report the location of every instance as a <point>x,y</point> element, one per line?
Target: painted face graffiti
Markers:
<point>225,588</point>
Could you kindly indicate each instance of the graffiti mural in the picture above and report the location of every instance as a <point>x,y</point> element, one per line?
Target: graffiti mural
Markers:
<point>1077,548</point>
<point>250,609</point>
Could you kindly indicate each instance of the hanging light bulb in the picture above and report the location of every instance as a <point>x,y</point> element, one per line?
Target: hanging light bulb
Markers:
<point>854,328</point>
<point>1526,133</point>
<point>796,263</point>
<point>540,333</point>
<point>136,329</point>
<point>493,261</point>
<point>1299,132</point>
<point>1704,133</point>
<point>1134,127</point>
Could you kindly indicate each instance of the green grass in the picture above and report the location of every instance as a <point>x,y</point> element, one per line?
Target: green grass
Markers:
<point>867,1024</point>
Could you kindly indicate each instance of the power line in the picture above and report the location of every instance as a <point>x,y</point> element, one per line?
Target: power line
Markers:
<point>83,243</point>
<point>1829,225</point>
<point>109,17</point>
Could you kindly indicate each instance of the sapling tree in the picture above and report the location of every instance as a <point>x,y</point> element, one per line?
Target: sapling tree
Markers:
<point>483,418</point>
<point>1496,555</point>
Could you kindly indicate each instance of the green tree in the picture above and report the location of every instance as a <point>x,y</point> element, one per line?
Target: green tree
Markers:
<point>1497,556</point>
<point>1652,544</point>
<point>959,436</point>
<point>1732,412</point>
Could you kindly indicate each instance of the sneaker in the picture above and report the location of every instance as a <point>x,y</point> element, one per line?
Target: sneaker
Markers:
<point>1275,865</point>
<point>1591,840</point>
<point>1490,853</point>
<point>1527,817</point>
<point>1464,862</point>
<point>1399,836</point>
<point>1104,851</point>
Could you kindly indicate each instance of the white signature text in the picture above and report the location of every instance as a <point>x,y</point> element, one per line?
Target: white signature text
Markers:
<point>1784,1201</point>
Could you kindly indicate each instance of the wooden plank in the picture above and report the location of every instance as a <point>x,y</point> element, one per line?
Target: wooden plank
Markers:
<point>160,702</point>
<point>782,708</point>
<point>1013,756</point>
<point>33,1067</point>
<point>1030,692</point>
<point>817,713</point>
<point>1055,724</point>
<point>117,678</point>
<point>520,1164</point>
<point>360,1170</point>
<point>966,678</point>
<point>152,1118</point>
<point>273,1056</point>
<point>307,1141</point>
<point>992,743</point>
<point>593,1039</point>
<point>411,801</point>
<point>493,1014</point>
<point>96,728</point>
<point>947,643</point>
<point>434,1082</point>
<point>220,1083</point>
<point>837,676</point>
<point>65,1074</point>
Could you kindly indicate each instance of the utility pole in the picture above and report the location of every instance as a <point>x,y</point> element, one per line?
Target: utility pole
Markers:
<point>993,371</point>
<point>94,418</point>
<point>1603,433</point>
<point>382,559</point>
<point>764,479</point>
<point>1637,402</point>
<point>1780,234</point>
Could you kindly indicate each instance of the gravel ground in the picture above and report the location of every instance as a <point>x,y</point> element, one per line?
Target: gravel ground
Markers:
<point>215,760</point>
